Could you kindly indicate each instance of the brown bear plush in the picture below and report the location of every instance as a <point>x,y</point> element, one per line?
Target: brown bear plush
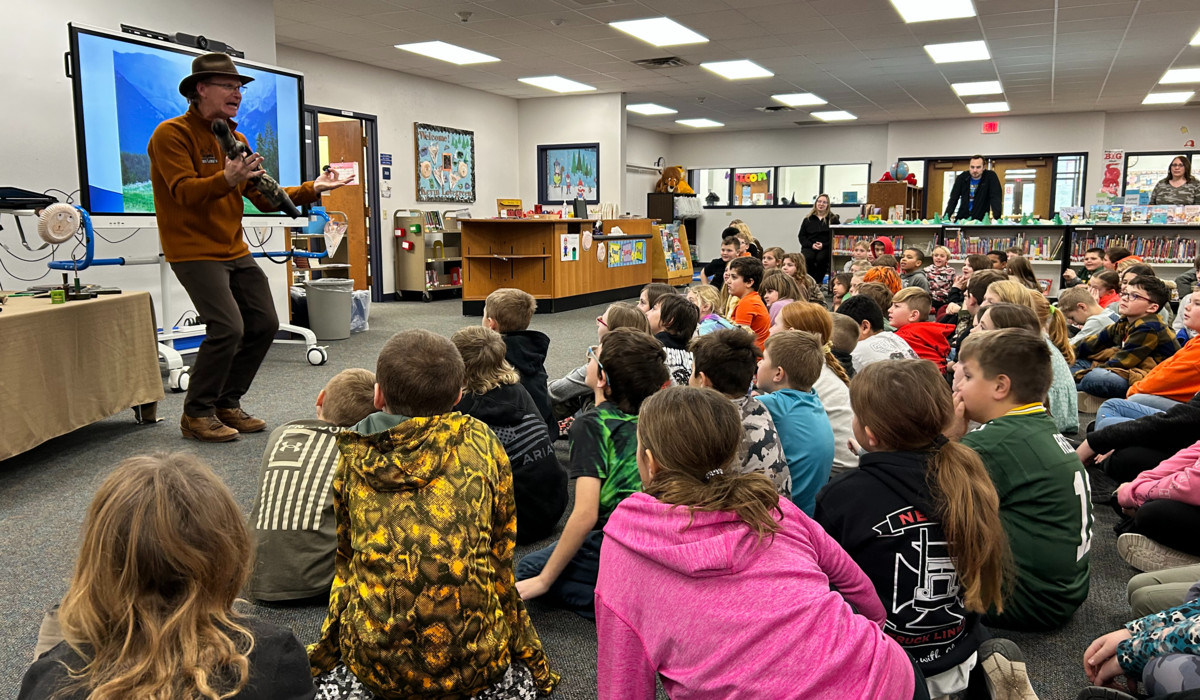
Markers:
<point>674,179</point>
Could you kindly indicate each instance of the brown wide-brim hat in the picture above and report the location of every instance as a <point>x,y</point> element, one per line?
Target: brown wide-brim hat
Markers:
<point>211,65</point>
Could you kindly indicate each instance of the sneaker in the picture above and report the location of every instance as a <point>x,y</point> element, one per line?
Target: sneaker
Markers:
<point>206,429</point>
<point>1089,403</point>
<point>1144,554</point>
<point>1097,693</point>
<point>240,421</point>
<point>1004,670</point>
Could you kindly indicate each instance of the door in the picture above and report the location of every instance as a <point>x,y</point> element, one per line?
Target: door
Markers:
<point>343,140</point>
<point>1026,183</point>
<point>939,183</point>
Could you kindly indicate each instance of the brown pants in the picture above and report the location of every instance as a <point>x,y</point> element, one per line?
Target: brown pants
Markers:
<point>233,299</point>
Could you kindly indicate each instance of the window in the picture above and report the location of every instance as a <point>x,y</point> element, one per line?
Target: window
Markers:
<point>1144,170</point>
<point>799,184</point>
<point>712,182</point>
<point>1068,181</point>
<point>847,184</point>
<point>753,187</point>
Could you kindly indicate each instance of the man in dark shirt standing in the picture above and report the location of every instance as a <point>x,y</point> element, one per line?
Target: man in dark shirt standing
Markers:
<point>975,192</point>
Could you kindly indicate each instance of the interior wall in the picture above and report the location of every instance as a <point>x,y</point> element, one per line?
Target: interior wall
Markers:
<point>642,148</point>
<point>39,123</point>
<point>398,101</point>
<point>572,119</point>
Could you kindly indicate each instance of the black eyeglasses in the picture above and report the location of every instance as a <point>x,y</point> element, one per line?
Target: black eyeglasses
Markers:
<point>230,87</point>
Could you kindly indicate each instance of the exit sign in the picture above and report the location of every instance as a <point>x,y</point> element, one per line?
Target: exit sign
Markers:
<point>991,127</point>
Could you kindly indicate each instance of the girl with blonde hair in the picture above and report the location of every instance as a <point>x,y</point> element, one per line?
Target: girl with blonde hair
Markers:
<point>778,290</point>
<point>708,300</point>
<point>772,258</point>
<point>917,499</point>
<point>149,610</point>
<point>832,382</point>
<point>697,553</point>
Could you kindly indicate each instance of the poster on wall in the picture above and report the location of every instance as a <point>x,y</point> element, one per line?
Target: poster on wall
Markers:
<point>625,253</point>
<point>445,164</point>
<point>567,171</point>
<point>1111,185</point>
<point>569,247</point>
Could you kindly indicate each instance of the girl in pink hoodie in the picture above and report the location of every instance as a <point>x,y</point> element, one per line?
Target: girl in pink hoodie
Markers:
<point>713,582</point>
<point>1165,505</point>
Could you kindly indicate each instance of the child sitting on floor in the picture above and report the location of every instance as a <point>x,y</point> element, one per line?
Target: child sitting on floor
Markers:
<point>687,564</point>
<point>650,295</point>
<point>911,275</point>
<point>921,505</point>
<point>708,302</point>
<point>772,258</point>
<point>622,371</point>
<point>509,311</point>
<point>410,585</point>
<point>292,519</point>
<point>1105,288</point>
<point>1164,506</point>
<point>1045,504</point>
<point>673,322</point>
<point>571,394</point>
<point>874,343</point>
<point>1162,650</point>
<point>745,275</point>
<point>841,288</point>
<point>940,276</point>
<point>149,611</point>
<point>727,361</point>
<point>929,339</point>
<point>778,290</point>
<point>493,394</point>
<point>845,340</point>
<point>860,251</point>
<point>795,266</point>
<point>791,363</point>
<point>1080,307</point>
<point>1109,361</point>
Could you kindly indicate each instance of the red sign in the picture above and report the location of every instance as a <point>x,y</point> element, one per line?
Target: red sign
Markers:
<point>991,127</point>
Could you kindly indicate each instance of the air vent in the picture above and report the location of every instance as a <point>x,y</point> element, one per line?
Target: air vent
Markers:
<point>776,108</point>
<point>664,62</point>
<point>815,122</point>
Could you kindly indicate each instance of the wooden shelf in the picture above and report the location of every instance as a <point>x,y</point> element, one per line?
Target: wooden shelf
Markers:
<point>509,256</point>
<point>443,286</point>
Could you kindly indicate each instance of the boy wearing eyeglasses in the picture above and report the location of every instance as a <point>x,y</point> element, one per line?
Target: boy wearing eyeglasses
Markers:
<point>623,371</point>
<point>1124,352</point>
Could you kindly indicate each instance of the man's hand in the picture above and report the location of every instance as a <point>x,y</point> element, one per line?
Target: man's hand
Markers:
<point>329,181</point>
<point>818,245</point>
<point>532,588</point>
<point>238,170</point>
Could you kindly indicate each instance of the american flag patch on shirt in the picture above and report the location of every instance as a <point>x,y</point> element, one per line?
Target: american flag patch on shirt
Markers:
<point>297,480</point>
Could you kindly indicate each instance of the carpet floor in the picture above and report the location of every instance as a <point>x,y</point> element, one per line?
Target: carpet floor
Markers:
<point>44,494</point>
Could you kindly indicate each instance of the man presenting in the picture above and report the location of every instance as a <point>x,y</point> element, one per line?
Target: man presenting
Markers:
<point>975,192</point>
<point>198,203</point>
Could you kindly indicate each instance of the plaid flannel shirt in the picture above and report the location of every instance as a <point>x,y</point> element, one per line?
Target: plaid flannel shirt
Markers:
<point>1147,338</point>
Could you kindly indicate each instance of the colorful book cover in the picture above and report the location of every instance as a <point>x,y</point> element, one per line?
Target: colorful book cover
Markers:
<point>1159,213</point>
<point>1192,212</point>
<point>1115,212</point>
<point>1098,212</point>
<point>1176,214</point>
<point>1139,214</point>
<point>1071,215</point>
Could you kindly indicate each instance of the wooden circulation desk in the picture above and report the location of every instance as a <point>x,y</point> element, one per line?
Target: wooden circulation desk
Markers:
<point>528,254</point>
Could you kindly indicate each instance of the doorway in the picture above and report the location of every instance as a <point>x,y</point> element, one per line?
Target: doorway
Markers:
<point>348,140</point>
<point>1026,183</point>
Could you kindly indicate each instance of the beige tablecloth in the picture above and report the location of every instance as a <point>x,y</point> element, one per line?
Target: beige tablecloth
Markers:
<point>63,366</point>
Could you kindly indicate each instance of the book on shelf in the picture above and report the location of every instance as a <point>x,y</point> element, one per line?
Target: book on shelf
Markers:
<point>1139,214</point>
<point>1071,215</point>
<point>1098,212</point>
<point>1176,215</point>
<point>1152,249</point>
<point>1115,212</point>
<point>1192,213</point>
<point>1159,213</point>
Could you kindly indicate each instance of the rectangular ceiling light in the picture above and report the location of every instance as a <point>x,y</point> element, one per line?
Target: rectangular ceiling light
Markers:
<point>1181,75</point>
<point>1167,98</point>
<point>660,31</point>
<point>447,52</point>
<point>929,10</point>
<point>1196,40</point>
<point>699,123</point>
<point>737,70</point>
<point>650,109</point>
<point>958,51</point>
<point>978,107</point>
<point>836,115</point>
<point>799,99</point>
<point>557,83</point>
<point>987,87</point>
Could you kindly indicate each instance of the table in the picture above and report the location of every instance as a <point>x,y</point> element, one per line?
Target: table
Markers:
<point>64,366</point>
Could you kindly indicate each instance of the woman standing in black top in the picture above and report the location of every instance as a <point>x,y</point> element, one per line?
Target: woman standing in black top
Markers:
<point>816,239</point>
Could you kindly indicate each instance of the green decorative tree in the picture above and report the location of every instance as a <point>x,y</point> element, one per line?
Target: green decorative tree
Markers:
<point>266,144</point>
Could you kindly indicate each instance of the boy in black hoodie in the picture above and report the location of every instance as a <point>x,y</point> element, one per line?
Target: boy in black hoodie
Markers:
<point>508,311</point>
<point>673,322</point>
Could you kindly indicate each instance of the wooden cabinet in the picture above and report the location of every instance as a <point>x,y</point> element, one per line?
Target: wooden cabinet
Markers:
<point>886,195</point>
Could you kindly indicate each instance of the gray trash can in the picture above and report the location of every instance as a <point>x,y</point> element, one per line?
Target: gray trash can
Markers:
<point>329,307</point>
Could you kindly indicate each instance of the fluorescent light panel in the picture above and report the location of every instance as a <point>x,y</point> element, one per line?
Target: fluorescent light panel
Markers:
<point>1181,75</point>
<point>1196,40</point>
<point>737,70</point>
<point>660,31</point>
<point>958,52</point>
<point>1167,98</point>
<point>557,83</point>
<point>978,107</point>
<point>836,115</point>
<point>699,123</point>
<point>987,87</point>
<point>799,99</point>
<point>650,109</point>
<point>929,10</point>
<point>447,52</point>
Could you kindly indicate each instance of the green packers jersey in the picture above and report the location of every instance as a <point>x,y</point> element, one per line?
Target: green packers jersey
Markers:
<point>1046,508</point>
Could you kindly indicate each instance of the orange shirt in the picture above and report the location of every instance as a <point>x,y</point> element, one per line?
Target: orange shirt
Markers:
<point>1177,378</point>
<point>199,214</point>
<point>752,313</point>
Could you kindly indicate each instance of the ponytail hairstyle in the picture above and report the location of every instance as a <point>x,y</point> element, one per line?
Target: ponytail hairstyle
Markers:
<point>165,552</point>
<point>694,435</point>
<point>1020,270</point>
<point>1054,325</point>
<point>806,316</point>
<point>963,497</point>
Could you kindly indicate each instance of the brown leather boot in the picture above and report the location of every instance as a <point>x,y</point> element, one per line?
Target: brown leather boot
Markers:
<point>240,421</point>
<point>206,429</point>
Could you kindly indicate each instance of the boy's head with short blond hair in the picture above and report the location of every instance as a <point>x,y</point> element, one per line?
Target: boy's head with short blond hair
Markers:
<point>348,398</point>
<point>418,373</point>
<point>791,360</point>
<point>909,305</point>
<point>845,333</point>
<point>1078,304</point>
<point>508,310</point>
